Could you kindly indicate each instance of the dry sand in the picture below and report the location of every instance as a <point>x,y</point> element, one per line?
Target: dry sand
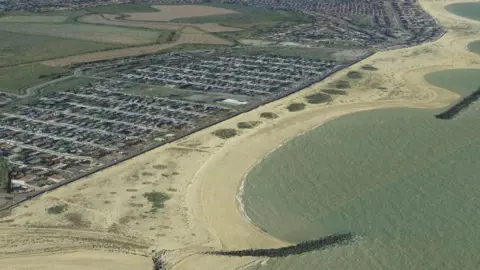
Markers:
<point>202,173</point>
<point>168,13</point>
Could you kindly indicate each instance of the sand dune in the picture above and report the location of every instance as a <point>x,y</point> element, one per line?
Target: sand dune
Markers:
<point>203,213</point>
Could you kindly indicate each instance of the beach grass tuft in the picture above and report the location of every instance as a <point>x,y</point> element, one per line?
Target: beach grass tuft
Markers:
<point>294,107</point>
<point>225,133</point>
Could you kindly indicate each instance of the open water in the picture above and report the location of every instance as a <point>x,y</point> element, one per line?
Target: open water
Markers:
<point>474,47</point>
<point>467,10</point>
<point>408,183</point>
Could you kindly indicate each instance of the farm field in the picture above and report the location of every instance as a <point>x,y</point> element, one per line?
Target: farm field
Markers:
<point>110,19</point>
<point>33,19</point>
<point>17,48</point>
<point>169,13</point>
<point>14,79</point>
<point>122,8</point>
<point>103,34</point>
<point>246,16</point>
<point>183,39</point>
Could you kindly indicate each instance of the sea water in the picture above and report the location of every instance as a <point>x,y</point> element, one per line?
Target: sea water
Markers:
<point>406,182</point>
<point>467,10</point>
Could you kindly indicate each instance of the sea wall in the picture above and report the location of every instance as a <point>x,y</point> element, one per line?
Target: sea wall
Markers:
<point>460,106</point>
<point>308,246</point>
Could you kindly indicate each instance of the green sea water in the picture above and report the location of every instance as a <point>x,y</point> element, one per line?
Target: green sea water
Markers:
<point>467,10</point>
<point>406,182</point>
<point>474,47</point>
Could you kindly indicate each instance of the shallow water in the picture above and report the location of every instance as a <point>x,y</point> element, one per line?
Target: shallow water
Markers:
<point>407,182</point>
<point>474,47</point>
<point>467,10</point>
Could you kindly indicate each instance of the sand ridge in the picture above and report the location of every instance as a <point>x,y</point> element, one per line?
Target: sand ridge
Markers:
<point>203,213</point>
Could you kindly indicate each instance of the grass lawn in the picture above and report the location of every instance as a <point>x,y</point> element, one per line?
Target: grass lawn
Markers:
<point>34,19</point>
<point>247,16</point>
<point>94,33</point>
<point>122,8</point>
<point>65,85</point>
<point>14,79</point>
<point>18,48</point>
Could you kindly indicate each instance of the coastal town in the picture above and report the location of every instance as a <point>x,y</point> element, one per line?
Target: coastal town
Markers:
<point>239,134</point>
<point>64,134</point>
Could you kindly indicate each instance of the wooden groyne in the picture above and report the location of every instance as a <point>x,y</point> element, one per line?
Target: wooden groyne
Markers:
<point>308,246</point>
<point>460,106</point>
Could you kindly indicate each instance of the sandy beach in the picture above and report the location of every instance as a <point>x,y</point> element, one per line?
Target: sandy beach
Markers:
<point>109,224</point>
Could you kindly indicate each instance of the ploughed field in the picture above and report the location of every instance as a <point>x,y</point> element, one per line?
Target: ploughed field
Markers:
<point>404,181</point>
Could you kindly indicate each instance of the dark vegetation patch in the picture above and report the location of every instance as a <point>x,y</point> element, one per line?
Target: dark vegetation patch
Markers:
<point>114,228</point>
<point>342,85</point>
<point>308,246</point>
<point>335,92</point>
<point>294,107</point>
<point>382,88</point>
<point>249,124</point>
<point>136,205</point>
<point>7,221</point>
<point>268,115</point>
<point>157,199</point>
<point>125,219</point>
<point>225,133</point>
<point>175,173</point>
<point>460,106</point>
<point>57,209</point>
<point>318,98</point>
<point>132,189</point>
<point>76,219</point>
<point>147,174</point>
<point>369,68</point>
<point>354,75</point>
<point>5,213</point>
<point>159,166</point>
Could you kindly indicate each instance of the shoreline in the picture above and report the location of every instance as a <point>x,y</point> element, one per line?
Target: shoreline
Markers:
<point>204,213</point>
<point>441,98</point>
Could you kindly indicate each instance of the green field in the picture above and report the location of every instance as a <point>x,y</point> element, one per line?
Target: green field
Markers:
<point>256,22</point>
<point>21,48</point>
<point>467,10</point>
<point>247,17</point>
<point>15,79</point>
<point>122,8</point>
<point>33,19</point>
<point>474,47</point>
<point>404,181</point>
<point>95,33</point>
